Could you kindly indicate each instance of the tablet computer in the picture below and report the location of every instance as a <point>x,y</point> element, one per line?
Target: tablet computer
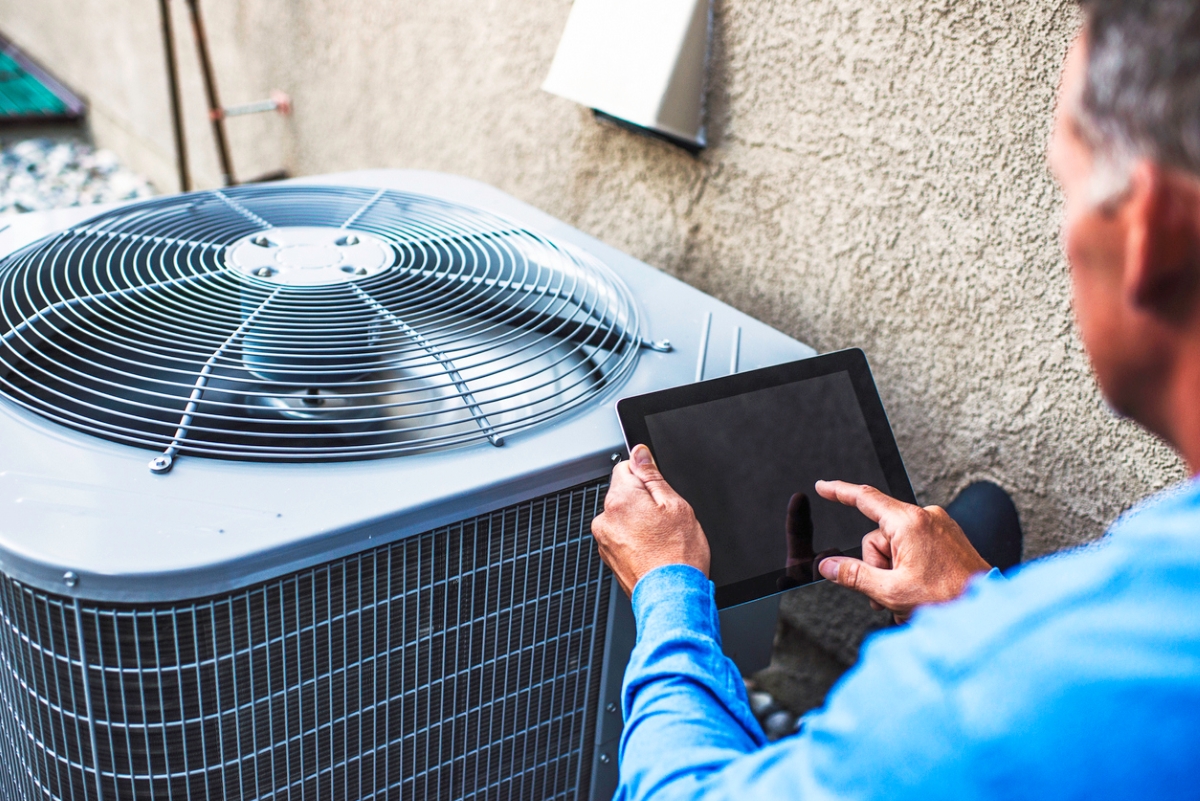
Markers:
<point>745,451</point>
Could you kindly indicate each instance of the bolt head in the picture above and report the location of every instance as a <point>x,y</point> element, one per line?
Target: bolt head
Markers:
<point>611,707</point>
<point>605,759</point>
<point>161,464</point>
<point>662,345</point>
<point>70,578</point>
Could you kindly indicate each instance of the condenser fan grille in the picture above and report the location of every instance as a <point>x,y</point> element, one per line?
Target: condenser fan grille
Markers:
<point>307,323</point>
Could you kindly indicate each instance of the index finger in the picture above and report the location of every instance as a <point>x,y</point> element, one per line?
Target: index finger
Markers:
<point>868,500</point>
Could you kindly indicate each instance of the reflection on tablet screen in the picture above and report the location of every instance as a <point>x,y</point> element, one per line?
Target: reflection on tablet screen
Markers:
<point>747,465</point>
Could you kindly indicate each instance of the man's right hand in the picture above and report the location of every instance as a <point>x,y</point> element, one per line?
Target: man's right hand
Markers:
<point>917,556</point>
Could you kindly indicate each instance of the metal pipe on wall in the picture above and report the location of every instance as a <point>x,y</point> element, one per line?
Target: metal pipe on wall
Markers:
<point>185,178</point>
<point>210,87</point>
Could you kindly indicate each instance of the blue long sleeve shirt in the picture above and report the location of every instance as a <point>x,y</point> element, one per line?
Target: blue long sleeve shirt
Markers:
<point>1077,677</point>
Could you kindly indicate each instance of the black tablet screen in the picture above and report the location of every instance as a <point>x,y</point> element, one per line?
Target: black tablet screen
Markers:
<point>747,465</point>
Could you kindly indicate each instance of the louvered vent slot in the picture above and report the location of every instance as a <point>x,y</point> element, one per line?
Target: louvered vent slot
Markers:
<point>307,323</point>
<point>459,664</point>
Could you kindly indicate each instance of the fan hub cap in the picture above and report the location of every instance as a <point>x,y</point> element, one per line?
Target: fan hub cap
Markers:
<point>308,256</point>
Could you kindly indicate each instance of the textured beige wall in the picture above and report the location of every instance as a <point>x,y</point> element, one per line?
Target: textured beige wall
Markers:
<point>875,178</point>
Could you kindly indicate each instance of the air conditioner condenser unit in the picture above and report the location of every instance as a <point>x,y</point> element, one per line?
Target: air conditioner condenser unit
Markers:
<point>296,483</point>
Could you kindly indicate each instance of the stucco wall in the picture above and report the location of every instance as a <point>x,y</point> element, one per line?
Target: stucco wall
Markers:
<point>875,178</point>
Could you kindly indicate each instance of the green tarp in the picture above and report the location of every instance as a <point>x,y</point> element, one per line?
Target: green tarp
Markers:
<point>28,93</point>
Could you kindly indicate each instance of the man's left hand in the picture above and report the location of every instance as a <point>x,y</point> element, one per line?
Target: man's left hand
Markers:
<point>646,524</point>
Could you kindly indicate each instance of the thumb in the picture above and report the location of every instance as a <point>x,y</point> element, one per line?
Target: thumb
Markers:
<point>642,463</point>
<point>855,574</point>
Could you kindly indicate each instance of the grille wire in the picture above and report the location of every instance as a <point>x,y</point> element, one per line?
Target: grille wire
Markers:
<point>463,663</point>
<point>307,323</point>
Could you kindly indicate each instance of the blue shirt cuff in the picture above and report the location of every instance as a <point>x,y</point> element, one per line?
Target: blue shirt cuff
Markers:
<point>675,597</point>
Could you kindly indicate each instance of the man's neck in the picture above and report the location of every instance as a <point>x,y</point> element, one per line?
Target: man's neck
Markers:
<point>1182,412</point>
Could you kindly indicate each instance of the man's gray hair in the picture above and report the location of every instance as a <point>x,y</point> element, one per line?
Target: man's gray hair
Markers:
<point>1141,95</point>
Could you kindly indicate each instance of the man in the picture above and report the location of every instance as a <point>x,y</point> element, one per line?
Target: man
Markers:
<point>1075,677</point>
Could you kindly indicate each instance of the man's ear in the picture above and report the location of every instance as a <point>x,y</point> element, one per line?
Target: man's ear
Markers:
<point>1162,260</point>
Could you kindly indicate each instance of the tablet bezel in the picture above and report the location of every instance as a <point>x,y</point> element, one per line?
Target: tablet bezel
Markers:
<point>633,411</point>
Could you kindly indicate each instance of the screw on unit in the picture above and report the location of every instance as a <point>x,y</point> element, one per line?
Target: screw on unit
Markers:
<point>616,457</point>
<point>610,708</point>
<point>161,464</point>
<point>662,345</point>
<point>605,759</point>
<point>70,578</point>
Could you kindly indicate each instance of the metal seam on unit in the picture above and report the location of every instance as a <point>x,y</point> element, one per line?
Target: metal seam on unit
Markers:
<point>442,359</point>
<point>702,351</point>
<point>735,349</point>
<point>87,696</point>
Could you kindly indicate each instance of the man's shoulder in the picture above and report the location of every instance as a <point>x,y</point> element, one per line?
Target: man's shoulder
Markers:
<point>1147,565</point>
<point>1051,680</point>
<point>1173,514</point>
<point>1076,637</point>
<point>1123,607</point>
<point>1138,587</point>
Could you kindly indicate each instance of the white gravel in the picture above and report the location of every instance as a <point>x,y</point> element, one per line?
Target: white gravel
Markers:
<point>776,721</point>
<point>40,174</point>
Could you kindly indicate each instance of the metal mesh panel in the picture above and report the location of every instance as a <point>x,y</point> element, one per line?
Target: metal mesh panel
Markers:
<point>462,663</point>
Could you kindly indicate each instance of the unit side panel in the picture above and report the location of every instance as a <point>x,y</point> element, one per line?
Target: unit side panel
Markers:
<point>462,663</point>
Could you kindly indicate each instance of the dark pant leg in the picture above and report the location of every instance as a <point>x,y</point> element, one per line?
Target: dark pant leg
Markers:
<point>989,519</point>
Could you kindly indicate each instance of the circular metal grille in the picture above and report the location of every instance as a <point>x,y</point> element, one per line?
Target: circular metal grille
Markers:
<point>307,323</point>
